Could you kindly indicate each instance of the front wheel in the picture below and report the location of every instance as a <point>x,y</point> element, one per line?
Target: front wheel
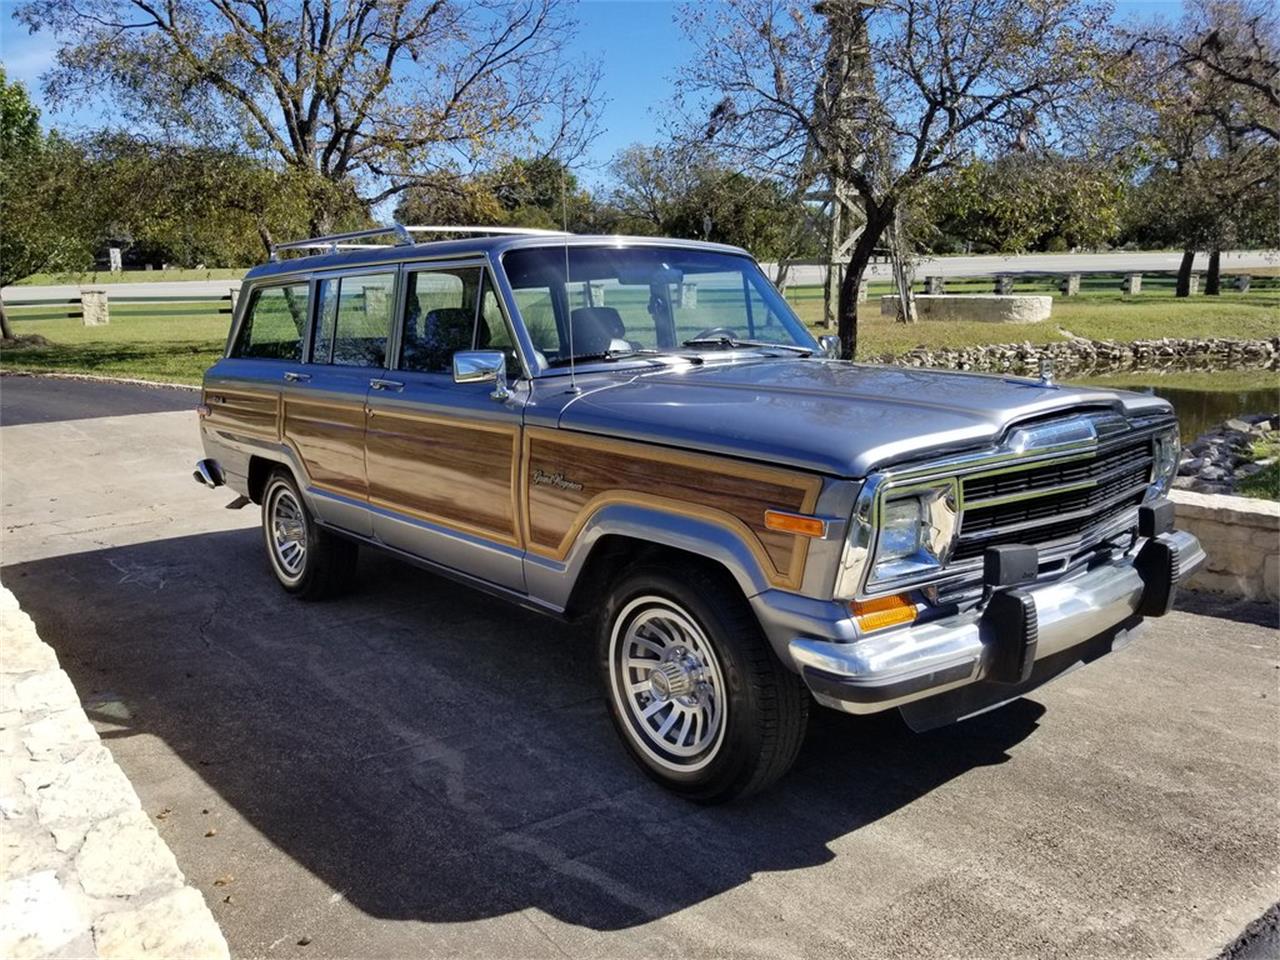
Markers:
<point>697,695</point>
<point>309,562</point>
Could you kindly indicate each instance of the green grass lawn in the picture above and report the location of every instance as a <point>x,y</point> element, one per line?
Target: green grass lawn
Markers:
<point>175,349</point>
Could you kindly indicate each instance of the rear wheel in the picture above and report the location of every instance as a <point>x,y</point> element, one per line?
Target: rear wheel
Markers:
<point>309,562</point>
<point>696,693</point>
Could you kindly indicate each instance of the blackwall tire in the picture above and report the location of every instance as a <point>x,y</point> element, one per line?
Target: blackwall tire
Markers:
<point>696,693</point>
<point>308,561</point>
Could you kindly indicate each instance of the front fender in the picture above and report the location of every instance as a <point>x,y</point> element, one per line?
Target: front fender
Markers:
<point>553,580</point>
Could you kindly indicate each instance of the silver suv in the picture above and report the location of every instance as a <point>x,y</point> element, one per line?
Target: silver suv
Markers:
<point>640,432</point>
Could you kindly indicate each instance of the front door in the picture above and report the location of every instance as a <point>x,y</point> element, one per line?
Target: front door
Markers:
<point>324,403</point>
<point>443,458</point>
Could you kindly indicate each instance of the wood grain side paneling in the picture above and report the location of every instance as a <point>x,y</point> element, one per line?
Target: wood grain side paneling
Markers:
<point>243,412</point>
<point>458,473</point>
<point>568,477</point>
<point>328,436</point>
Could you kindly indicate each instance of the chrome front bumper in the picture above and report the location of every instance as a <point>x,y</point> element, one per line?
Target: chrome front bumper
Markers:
<point>906,664</point>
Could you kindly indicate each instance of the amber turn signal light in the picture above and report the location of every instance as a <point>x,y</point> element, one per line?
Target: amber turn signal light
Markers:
<point>883,612</point>
<point>797,523</point>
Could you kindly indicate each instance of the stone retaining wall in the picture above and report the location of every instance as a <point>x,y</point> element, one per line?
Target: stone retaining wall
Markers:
<point>83,871</point>
<point>1083,356</point>
<point>1242,539</point>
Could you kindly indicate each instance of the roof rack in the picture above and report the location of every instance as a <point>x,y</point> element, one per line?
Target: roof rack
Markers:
<point>495,231</point>
<point>403,237</point>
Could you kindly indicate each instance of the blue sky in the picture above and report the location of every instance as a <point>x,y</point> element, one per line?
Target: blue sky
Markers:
<point>639,43</point>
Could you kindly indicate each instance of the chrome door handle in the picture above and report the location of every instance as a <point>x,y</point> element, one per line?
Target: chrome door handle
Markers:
<point>294,377</point>
<point>379,384</point>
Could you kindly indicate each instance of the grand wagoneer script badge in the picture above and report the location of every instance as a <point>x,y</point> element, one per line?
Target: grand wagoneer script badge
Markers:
<point>544,479</point>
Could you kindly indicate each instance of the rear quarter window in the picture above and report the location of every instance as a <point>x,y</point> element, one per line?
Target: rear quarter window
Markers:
<point>274,323</point>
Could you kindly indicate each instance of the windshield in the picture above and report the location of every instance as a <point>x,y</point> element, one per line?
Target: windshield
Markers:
<point>631,301</point>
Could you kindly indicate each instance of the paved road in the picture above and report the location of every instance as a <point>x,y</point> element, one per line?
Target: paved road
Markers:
<point>47,399</point>
<point>171,289</point>
<point>939,266</point>
<point>419,771</point>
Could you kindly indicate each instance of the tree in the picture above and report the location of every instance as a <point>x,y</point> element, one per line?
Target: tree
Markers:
<point>46,221</point>
<point>539,192</point>
<point>1197,101</point>
<point>190,204</point>
<point>686,192</point>
<point>382,94</point>
<point>1021,202</point>
<point>883,94</point>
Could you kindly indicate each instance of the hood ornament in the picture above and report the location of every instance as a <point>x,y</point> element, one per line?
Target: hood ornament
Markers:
<point>1046,372</point>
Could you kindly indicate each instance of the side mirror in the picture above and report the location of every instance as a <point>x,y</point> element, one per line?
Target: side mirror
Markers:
<point>482,366</point>
<point>830,346</point>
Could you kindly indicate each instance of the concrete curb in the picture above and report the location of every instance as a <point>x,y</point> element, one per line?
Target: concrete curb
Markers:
<point>83,870</point>
<point>96,378</point>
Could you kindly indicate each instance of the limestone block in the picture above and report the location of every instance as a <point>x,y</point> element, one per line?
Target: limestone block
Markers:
<point>123,856</point>
<point>1071,285</point>
<point>94,309</point>
<point>60,735</point>
<point>46,691</point>
<point>1132,284</point>
<point>36,916</point>
<point>175,925</point>
<point>985,307</point>
<point>72,795</point>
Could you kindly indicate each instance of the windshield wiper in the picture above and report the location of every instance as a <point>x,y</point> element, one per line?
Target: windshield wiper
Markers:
<point>606,355</point>
<point>724,341</point>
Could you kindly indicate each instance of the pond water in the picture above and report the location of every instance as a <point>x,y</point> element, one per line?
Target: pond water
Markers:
<point>1199,406</point>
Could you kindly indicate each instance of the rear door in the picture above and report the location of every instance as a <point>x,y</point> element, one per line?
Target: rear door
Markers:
<point>443,458</point>
<point>324,402</point>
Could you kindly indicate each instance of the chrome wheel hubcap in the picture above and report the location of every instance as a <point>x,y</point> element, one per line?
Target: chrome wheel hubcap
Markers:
<point>288,527</point>
<point>667,679</point>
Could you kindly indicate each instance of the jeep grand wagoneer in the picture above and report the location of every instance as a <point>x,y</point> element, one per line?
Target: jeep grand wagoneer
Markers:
<point>641,432</point>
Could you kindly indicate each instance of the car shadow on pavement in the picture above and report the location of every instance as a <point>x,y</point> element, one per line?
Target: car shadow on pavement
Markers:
<point>428,752</point>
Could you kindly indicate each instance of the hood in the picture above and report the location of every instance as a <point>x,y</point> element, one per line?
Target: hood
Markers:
<point>826,416</point>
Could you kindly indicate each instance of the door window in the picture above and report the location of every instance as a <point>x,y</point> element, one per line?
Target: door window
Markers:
<point>363,319</point>
<point>440,318</point>
<point>274,323</point>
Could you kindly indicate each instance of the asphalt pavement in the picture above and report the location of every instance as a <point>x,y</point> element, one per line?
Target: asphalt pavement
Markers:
<point>419,770</point>
<point>49,399</point>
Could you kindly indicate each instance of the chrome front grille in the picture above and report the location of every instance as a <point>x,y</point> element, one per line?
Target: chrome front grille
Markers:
<point>1058,502</point>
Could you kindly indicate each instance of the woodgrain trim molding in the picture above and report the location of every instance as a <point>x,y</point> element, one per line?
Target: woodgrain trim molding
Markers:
<point>807,486</point>
<point>513,537</point>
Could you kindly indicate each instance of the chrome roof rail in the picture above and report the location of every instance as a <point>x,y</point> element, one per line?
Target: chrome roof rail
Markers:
<point>403,237</point>
<point>332,241</point>
<point>495,231</point>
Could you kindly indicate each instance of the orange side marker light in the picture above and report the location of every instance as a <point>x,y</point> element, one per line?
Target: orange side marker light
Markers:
<point>883,612</point>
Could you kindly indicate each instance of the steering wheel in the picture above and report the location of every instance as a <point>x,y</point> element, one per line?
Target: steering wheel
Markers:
<point>710,332</point>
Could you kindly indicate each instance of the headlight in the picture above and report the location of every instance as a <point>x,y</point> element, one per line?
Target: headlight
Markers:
<point>902,533</point>
<point>1168,452</point>
<point>917,532</point>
